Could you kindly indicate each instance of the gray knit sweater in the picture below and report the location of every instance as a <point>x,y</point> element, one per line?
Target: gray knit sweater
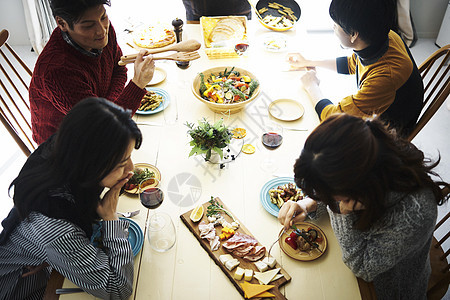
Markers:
<point>394,252</point>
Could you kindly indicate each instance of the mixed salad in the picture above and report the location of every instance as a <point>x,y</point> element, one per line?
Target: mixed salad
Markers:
<point>227,87</point>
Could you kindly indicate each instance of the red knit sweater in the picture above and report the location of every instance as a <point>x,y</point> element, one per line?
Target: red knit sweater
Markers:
<point>63,76</point>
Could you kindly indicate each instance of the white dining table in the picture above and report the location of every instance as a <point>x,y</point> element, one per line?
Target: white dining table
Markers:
<point>186,271</point>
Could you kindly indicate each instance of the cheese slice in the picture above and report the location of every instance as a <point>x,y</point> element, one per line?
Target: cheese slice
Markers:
<point>262,266</point>
<point>231,264</point>
<point>265,295</point>
<point>270,261</point>
<point>248,274</point>
<point>278,276</point>
<point>239,273</point>
<point>251,290</point>
<point>266,277</point>
<point>225,257</point>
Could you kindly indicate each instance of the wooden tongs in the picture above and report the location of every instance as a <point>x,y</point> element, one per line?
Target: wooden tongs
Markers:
<point>186,51</point>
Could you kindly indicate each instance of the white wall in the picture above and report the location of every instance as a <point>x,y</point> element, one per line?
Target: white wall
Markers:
<point>427,16</point>
<point>12,18</point>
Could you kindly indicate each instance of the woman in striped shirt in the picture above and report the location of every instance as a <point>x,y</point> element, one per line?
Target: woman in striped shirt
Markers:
<point>57,198</point>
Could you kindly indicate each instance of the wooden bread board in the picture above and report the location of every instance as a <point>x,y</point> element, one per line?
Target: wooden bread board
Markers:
<point>193,227</point>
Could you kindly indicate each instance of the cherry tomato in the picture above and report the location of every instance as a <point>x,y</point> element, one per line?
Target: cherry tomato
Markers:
<point>291,242</point>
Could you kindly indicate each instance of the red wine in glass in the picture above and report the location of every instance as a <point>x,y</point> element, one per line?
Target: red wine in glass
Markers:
<point>272,140</point>
<point>152,197</point>
<point>240,48</point>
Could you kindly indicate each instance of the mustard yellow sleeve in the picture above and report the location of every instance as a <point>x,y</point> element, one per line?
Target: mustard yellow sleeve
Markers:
<point>374,97</point>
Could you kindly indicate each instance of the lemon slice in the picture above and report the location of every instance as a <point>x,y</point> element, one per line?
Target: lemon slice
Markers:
<point>239,133</point>
<point>248,149</point>
<point>197,213</point>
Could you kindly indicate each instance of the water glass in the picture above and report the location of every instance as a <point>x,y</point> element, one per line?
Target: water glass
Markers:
<point>161,232</point>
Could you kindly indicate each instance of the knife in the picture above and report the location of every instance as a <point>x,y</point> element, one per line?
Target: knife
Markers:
<point>68,291</point>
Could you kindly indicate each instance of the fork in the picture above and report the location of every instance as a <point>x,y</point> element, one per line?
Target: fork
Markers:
<point>179,56</point>
<point>129,214</point>
<point>281,233</point>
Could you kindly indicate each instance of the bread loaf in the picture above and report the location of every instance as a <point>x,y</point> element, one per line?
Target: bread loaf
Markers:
<point>227,29</point>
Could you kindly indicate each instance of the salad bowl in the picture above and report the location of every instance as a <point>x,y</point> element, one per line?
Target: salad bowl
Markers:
<point>225,108</point>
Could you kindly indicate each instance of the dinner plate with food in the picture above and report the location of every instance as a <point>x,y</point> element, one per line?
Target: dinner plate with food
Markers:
<point>303,241</point>
<point>141,171</point>
<point>154,101</point>
<point>278,191</point>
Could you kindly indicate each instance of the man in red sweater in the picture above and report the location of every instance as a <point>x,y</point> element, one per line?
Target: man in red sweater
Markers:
<point>80,61</point>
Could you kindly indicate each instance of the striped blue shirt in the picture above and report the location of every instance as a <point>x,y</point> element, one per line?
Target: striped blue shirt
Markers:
<point>105,273</point>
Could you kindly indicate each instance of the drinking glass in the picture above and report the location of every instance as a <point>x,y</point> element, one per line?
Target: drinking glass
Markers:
<point>241,47</point>
<point>161,232</point>
<point>271,139</point>
<point>160,229</point>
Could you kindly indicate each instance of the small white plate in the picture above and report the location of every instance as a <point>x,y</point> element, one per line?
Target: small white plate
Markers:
<point>286,109</point>
<point>158,77</point>
<point>274,42</point>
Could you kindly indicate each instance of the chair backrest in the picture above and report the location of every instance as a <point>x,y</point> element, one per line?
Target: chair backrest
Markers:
<point>440,268</point>
<point>436,79</point>
<point>15,114</point>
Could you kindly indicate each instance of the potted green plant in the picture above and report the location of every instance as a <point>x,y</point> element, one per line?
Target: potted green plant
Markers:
<point>207,138</point>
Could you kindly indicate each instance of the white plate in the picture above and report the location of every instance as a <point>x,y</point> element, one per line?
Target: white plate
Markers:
<point>286,109</point>
<point>158,77</point>
<point>274,42</point>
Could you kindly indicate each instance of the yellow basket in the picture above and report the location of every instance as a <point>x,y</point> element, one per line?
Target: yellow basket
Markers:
<point>207,24</point>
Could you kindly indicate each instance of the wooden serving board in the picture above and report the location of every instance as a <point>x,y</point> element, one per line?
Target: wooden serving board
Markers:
<point>193,227</point>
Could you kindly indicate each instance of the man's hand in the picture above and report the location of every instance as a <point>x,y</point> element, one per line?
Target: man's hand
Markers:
<point>310,83</point>
<point>298,62</point>
<point>143,69</point>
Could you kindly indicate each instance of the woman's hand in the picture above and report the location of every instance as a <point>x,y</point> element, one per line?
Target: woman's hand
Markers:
<point>346,207</point>
<point>143,69</point>
<point>106,209</point>
<point>298,209</point>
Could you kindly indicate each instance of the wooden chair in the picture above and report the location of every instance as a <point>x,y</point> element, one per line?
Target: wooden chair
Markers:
<point>14,107</point>
<point>440,268</point>
<point>436,78</point>
<point>55,282</point>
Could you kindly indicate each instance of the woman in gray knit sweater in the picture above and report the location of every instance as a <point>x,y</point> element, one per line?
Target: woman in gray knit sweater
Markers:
<point>381,200</point>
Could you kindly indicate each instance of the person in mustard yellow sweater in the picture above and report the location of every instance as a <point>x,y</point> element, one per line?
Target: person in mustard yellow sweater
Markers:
<point>388,81</point>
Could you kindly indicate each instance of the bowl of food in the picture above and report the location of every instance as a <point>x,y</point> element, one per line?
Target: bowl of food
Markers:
<point>278,15</point>
<point>225,89</point>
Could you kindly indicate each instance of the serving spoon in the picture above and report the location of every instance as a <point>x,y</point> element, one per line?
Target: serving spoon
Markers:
<point>184,46</point>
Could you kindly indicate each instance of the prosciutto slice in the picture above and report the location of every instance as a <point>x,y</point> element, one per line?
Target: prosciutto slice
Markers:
<point>207,231</point>
<point>245,246</point>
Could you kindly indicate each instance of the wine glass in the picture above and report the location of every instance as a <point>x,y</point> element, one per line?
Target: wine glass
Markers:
<point>240,47</point>
<point>271,139</point>
<point>150,194</point>
<point>161,231</point>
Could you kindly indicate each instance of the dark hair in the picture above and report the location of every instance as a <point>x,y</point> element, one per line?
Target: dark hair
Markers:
<point>72,10</point>
<point>372,19</point>
<point>362,160</point>
<point>91,140</point>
